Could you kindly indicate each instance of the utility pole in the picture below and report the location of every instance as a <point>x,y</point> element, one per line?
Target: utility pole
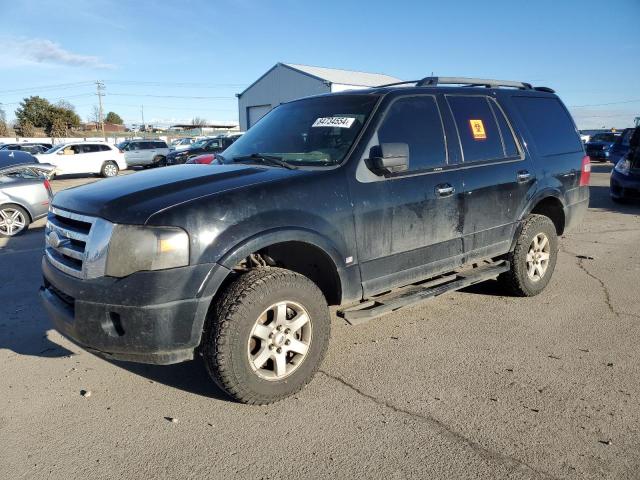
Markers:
<point>100,93</point>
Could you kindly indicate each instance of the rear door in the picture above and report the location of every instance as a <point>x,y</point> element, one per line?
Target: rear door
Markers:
<point>497,176</point>
<point>407,223</point>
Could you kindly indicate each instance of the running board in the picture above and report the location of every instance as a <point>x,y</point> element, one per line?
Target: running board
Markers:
<point>412,294</point>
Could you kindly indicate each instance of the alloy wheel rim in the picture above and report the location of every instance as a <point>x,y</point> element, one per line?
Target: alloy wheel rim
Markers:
<point>538,257</point>
<point>12,221</point>
<point>279,341</point>
<point>110,170</point>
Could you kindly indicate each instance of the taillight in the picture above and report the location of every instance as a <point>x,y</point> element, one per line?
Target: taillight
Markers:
<point>47,185</point>
<point>585,171</point>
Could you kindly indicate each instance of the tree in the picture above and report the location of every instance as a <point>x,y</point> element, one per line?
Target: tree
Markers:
<point>114,118</point>
<point>26,129</point>
<point>4,129</point>
<point>66,105</point>
<point>198,122</point>
<point>38,112</point>
<point>34,111</point>
<point>94,116</point>
<point>59,128</point>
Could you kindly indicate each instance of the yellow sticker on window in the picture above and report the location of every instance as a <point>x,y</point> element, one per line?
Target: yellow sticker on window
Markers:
<point>477,129</point>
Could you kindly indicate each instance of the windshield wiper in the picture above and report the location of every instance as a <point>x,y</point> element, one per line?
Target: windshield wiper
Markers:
<point>268,159</point>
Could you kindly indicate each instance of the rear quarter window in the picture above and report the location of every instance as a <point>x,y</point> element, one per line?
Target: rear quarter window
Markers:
<point>550,125</point>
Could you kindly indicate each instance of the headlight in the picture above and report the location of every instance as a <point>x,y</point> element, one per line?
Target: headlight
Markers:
<point>623,166</point>
<point>136,248</point>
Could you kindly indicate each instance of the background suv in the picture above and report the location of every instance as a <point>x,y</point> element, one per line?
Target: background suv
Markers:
<point>206,145</point>
<point>85,157</point>
<point>144,153</point>
<point>599,145</point>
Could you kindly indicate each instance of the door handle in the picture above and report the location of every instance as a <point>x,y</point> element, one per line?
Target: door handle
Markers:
<point>445,190</point>
<point>523,176</point>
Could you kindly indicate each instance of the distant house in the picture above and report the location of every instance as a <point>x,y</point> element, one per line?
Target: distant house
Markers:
<point>108,127</point>
<point>287,81</point>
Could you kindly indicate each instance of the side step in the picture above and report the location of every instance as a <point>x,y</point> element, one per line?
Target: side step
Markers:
<point>412,294</point>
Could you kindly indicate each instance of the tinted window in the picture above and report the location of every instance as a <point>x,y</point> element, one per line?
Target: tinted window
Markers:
<point>477,128</point>
<point>91,148</point>
<point>549,124</point>
<point>416,122</point>
<point>104,148</point>
<point>160,145</point>
<point>509,143</point>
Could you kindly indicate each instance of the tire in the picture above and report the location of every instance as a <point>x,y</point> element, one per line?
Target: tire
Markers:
<point>159,161</point>
<point>231,346</point>
<point>518,280</point>
<point>109,169</point>
<point>14,220</point>
<point>620,200</point>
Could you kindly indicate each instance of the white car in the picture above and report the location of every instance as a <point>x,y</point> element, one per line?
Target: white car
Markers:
<point>85,157</point>
<point>182,144</point>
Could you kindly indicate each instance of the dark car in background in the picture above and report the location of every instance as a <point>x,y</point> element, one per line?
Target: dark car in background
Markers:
<point>625,177</point>
<point>599,146</point>
<point>29,147</point>
<point>206,145</point>
<point>621,146</point>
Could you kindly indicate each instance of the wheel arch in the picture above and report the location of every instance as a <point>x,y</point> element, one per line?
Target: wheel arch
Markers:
<point>298,249</point>
<point>18,204</point>
<point>548,202</point>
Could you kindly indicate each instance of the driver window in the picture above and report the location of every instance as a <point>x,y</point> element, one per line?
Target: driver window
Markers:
<point>70,150</point>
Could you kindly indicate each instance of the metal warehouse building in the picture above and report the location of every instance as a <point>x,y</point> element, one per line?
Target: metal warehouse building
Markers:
<point>286,81</point>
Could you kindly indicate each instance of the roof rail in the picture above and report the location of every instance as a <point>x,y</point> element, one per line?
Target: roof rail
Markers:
<point>469,82</point>
<point>484,82</point>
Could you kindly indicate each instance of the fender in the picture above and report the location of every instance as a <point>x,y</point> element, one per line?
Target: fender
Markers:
<point>541,195</point>
<point>533,201</point>
<point>349,278</point>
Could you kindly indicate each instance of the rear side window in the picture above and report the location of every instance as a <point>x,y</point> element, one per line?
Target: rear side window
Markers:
<point>91,148</point>
<point>160,145</point>
<point>550,125</point>
<point>416,121</point>
<point>477,127</point>
<point>105,148</point>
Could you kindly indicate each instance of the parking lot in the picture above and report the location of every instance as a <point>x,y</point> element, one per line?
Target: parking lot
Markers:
<point>470,385</point>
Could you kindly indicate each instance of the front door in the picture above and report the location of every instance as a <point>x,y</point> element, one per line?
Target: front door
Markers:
<point>497,175</point>
<point>407,223</point>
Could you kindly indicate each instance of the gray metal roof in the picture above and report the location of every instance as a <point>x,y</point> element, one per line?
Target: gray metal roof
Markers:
<point>346,77</point>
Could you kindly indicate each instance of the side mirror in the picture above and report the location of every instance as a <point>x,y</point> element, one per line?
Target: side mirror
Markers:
<point>389,158</point>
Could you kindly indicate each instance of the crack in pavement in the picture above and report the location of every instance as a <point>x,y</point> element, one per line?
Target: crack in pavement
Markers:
<point>442,427</point>
<point>605,289</point>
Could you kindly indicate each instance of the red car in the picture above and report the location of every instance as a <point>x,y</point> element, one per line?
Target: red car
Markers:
<point>204,159</point>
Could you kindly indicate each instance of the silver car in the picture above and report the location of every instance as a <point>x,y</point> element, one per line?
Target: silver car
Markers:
<point>144,153</point>
<point>25,192</point>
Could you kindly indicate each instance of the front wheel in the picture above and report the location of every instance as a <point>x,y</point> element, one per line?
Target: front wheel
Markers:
<point>109,169</point>
<point>14,220</point>
<point>533,259</point>
<point>266,336</point>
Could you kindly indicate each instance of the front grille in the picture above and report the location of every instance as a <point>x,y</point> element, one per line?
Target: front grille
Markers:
<point>66,236</point>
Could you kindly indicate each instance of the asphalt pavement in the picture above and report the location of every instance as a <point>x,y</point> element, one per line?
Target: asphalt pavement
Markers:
<point>472,384</point>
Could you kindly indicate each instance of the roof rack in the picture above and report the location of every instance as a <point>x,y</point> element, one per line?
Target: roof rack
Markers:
<point>470,82</point>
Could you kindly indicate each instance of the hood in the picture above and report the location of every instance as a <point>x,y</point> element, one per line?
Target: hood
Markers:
<point>133,198</point>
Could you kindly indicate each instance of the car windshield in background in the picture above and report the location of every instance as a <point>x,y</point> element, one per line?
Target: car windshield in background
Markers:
<point>55,148</point>
<point>315,132</point>
<point>603,137</point>
<point>199,144</point>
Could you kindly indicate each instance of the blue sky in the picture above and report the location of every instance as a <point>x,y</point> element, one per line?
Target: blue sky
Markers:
<point>152,52</point>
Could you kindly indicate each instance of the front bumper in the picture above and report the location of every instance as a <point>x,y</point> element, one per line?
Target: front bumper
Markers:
<point>148,317</point>
<point>625,186</point>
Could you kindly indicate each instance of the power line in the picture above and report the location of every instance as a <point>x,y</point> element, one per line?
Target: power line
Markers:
<point>60,86</point>
<point>637,100</point>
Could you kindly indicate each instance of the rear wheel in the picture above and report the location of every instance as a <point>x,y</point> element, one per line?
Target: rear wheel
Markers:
<point>159,161</point>
<point>266,336</point>
<point>109,169</point>
<point>533,259</point>
<point>14,220</point>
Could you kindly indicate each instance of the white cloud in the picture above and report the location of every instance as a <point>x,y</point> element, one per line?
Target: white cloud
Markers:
<point>33,51</point>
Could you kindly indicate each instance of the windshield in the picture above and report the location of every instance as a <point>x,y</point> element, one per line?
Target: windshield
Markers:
<point>55,148</point>
<point>604,137</point>
<point>316,131</point>
<point>199,143</point>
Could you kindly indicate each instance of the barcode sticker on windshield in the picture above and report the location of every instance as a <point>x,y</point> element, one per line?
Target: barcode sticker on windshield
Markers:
<point>335,122</point>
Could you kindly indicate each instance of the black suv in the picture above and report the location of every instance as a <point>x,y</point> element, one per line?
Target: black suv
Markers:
<point>206,145</point>
<point>371,200</point>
